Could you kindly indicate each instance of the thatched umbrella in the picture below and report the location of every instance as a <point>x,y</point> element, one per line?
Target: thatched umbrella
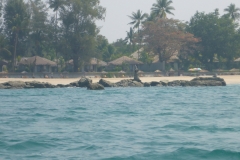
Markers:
<point>157,71</point>
<point>121,71</point>
<point>234,70</point>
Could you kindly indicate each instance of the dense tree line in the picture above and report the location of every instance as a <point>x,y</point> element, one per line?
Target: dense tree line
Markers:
<point>61,30</point>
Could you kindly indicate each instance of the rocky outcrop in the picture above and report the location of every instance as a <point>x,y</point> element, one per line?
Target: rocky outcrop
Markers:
<point>83,82</point>
<point>154,84</point>
<point>197,82</point>
<point>14,85</point>
<point>208,81</point>
<point>106,83</point>
<point>129,83</point>
<point>95,86</point>
<point>26,85</point>
<point>146,84</point>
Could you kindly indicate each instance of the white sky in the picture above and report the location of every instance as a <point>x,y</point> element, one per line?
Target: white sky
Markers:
<point>116,22</point>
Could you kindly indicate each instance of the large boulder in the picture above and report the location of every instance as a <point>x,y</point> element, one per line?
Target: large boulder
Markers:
<point>74,84</point>
<point>95,86</point>
<point>129,83</point>
<point>208,81</point>
<point>36,84</point>
<point>14,85</point>
<point>106,83</point>
<point>2,86</point>
<point>146,84</point>
<point>155,83</point>
<point>84,82</point>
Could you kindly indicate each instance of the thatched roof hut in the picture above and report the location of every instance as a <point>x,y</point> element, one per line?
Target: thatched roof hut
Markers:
<point>93,61</point>
<point>36,60</point>
<point>125,59</point>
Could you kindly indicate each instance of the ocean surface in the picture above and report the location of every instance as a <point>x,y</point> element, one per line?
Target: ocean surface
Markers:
<point>192,123</point>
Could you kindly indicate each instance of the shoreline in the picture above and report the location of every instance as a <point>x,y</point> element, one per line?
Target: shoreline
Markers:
<point>233,79</point>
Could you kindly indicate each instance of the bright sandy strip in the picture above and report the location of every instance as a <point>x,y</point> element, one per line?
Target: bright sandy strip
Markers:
<point>229,79</point>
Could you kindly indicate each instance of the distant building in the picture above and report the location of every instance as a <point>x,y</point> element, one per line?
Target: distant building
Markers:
<point>124,61</point>
<point>2,64</point>
<point>92,66</point>
<point>37,64</point>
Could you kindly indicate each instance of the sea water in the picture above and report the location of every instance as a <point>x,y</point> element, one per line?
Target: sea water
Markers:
<point>156,123</point>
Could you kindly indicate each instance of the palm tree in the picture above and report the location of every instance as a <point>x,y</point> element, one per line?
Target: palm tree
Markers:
<point>233,12</point>
<point>137,19</point>
<point>56,5</point>
<point>130,37</point>
<point>162,8</point>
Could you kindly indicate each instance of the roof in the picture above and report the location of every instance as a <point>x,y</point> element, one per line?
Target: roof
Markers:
<point>36,60</point>
<point>135,54</point>
<point>93,61</point>
<point>3,62</point>
<point>124,59</point>
<point>237,60</point>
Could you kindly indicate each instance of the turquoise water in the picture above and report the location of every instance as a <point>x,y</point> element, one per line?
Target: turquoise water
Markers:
<point>121,124</point>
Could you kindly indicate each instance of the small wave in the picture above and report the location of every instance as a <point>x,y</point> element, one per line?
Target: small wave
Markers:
<point>29,145</point>
<point>183,154</point>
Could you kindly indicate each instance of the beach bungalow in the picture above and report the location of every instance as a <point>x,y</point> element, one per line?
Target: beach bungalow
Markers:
<point>126,63</point>
<point>94,65</point>
<point>37,64</point>
<point>3,64</point>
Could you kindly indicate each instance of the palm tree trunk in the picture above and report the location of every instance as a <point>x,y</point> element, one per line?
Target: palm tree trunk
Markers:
<point>15,52</point>
<point>56,40</point>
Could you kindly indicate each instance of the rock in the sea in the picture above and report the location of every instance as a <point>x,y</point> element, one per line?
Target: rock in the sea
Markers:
<point>14,85</point>
<point>154,83</point>
<point>36,84</point>
<point>106,83</point>
<point>83,82</point>
<point>146,84</point>
<point>95,86</point>
<point>208,81</point>
<point>128,83</point>
<point>74,84</point>
<point>2,86</point>
<point>164,83</point>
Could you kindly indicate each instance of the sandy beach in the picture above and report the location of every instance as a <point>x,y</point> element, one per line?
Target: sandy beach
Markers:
<point>229,79</point>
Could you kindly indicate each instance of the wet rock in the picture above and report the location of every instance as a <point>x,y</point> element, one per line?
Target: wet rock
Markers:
<point>95,86</point>
<point>128,83</point>
<point>155,83</point>
<point>74,84</point>
<point>208,81</point>
<point>14,85</point>
<point>147,84</point>
<point>106,83</point>
<point>83,82</point>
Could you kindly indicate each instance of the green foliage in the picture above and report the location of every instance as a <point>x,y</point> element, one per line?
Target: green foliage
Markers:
<point>162,8</point>
<point>218,37</point>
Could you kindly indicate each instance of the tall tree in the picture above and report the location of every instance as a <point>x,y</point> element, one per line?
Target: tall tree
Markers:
<point>218,37</point>
<point>233,12</point>
<point>79,27</point>
<point>137,20</point>
<point>16,20</point>
<point>38,21</point>
<point>167,37</point>
<point>162,8</point>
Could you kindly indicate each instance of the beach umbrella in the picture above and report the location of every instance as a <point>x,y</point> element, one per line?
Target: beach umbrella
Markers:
<point>171,70</point>
<point>234,70</point>
<point>121,71</point>
<point>24,72</point>
<point>157,71</point>
<point>194,69</point>
<point>140,71</point>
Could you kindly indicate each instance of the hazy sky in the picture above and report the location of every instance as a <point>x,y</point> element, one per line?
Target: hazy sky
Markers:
<point>116,23</point>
